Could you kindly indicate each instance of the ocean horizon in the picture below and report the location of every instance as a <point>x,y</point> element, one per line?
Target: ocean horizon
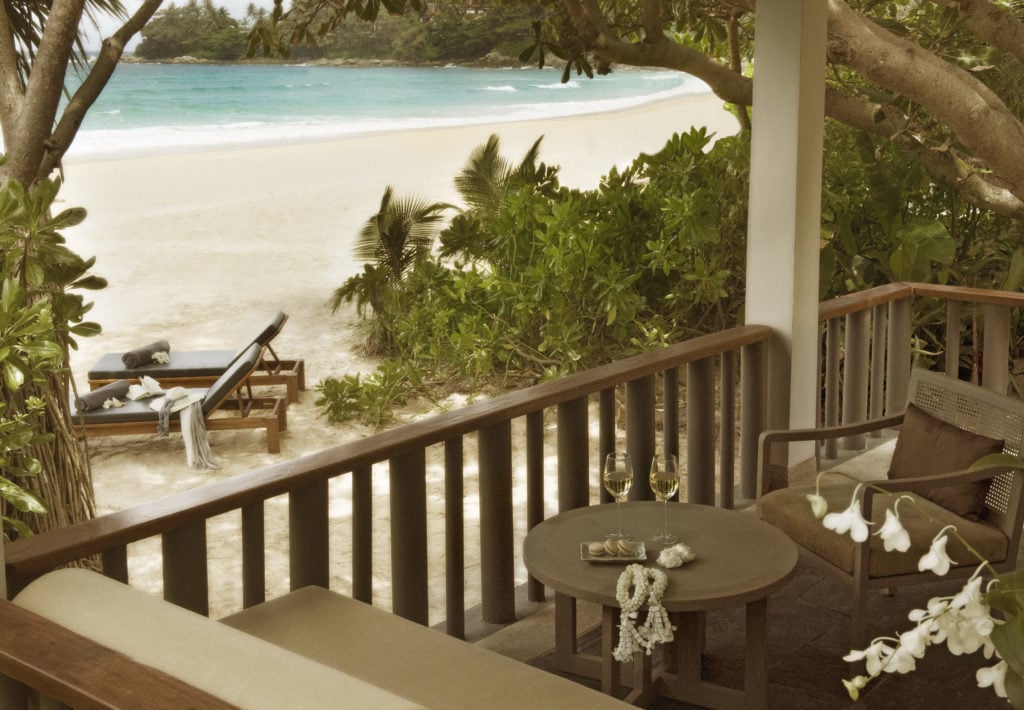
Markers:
<point>149,109</point>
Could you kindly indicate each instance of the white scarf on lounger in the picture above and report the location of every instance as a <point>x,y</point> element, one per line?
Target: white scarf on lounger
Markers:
<point>193,433</point>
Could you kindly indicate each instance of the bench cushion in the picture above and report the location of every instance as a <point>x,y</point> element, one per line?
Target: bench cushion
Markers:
<point>427,666</point>
<point>789,510</point>
<point>231,665</point>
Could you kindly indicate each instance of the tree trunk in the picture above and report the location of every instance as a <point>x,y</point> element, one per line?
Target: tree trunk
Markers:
<point>65,482</point>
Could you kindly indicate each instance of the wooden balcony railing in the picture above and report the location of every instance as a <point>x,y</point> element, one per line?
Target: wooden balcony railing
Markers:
<point>871,339</point>
<point>724,372</point>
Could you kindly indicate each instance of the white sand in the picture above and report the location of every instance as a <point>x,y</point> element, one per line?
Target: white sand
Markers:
<point>203,248</point>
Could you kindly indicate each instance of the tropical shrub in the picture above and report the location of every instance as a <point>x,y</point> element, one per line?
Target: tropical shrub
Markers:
<point>534,280</point>
<point>40,317</point>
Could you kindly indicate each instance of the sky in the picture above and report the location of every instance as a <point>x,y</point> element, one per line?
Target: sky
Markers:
<point>107,25</point>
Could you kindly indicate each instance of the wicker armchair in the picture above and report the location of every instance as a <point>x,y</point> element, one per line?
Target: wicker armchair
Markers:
<point>935,454</point>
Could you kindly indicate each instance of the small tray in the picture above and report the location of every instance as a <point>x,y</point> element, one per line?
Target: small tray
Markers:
<point>640,556</point>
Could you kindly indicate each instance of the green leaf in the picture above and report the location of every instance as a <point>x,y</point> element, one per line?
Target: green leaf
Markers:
<point>1009,641</point>
<point>17,526</point>
<point>25,501</point>
<point>14,378</point>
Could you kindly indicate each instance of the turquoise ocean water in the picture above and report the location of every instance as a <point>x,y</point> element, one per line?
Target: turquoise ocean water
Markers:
<point>156,108</point>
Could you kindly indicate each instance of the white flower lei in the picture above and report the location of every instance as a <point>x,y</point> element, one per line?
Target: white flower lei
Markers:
<point>648,586</point>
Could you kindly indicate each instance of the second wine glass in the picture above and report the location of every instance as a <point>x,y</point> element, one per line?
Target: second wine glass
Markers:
<point>617,476</point>
<point>665,483</point>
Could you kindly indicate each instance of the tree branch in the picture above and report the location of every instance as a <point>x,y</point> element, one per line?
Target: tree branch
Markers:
<point>993,23</point>
<point>942,163</point>
<point>43,90</point>
<point>978,117</point>
<point>11,91</point>
<point>86,95</point>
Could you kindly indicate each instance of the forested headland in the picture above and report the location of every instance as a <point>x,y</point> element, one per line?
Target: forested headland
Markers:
<point>203,31</point>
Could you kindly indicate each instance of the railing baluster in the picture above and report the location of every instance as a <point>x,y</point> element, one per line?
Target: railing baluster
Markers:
<point>700,432</point>
<point>953,338</point>
<point>254,578</point>
<point>855,375</point>
<point>497,564</point>
<point>407,475</point>
<point>573,463</point>
<point>186,581</point>
<point>670,417</point>
<point>832,368</point>
<point>606,435</point>
<point>640,423</point>
<point>727,431</point>
<point>362,534</point>
<point>454,539</point>
<point>308,546</point>
<point>534,487</point>
<point>897,365</point>
<point>879,324</point>
<point>115,563</point>
<point>995,357</point>
<point>753,414</point>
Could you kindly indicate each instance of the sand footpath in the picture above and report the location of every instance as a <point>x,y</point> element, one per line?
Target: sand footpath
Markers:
<point>203,248</point>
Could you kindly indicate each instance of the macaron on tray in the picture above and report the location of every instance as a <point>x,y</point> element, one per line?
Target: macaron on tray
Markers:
<point>613,551</point>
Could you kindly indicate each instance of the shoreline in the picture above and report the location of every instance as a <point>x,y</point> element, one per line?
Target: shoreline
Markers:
<point>696,98</point>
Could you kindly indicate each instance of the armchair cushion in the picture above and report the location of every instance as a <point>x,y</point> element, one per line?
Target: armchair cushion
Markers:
<point>789,510</point>
<point>927,445</point>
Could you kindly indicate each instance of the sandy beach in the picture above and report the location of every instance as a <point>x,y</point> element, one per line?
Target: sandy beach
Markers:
<point>203,248</point>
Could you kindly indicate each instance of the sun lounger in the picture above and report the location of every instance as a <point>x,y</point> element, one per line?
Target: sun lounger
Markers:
<point>230,391</point>
<point>200,368</point>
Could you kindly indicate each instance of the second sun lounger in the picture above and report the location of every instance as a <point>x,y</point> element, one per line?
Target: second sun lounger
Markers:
<point>200,368</point>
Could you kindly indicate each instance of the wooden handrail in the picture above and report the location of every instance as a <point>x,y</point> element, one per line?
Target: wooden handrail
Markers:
<point>970,294</point>
<point>862,300</point>
<point>29,557</point>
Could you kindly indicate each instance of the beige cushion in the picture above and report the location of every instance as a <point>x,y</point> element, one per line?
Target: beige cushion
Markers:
<point>789,510</point>
<point>927,446</point>
<point>225,662</point>
<point>422,664</point>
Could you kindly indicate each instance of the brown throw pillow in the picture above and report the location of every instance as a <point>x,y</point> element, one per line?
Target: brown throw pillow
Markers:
<point>927,446</point>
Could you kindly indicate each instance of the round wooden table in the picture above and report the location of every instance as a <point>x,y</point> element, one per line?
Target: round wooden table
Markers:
<point>740,560</point>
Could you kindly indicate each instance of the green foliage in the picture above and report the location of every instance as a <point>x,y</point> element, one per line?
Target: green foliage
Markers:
<point>38,316</point>
<point>399,235</point>
<point>534,280</point>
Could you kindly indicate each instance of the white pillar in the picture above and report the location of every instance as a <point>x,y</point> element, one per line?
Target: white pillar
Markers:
<point>785,202</point>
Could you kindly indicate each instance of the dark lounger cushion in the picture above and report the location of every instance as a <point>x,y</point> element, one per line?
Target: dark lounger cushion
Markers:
<point>187,363</point>
<point>927,445</point>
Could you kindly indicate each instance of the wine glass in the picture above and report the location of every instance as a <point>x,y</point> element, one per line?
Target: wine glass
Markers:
<point>665,483</point>
<point>618,478</point>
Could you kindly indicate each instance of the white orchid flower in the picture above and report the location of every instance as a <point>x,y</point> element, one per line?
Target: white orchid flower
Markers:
<point>874,657</point>
<point>936,559</point>
<point>819,506</point>
<point>994,676</point>
<point>853,687</point>
<point>894,535</point>
<point>850,520</point>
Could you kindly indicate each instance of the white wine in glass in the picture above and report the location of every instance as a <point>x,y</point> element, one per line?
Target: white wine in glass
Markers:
<point>664,484</point>
<point>617,476</point>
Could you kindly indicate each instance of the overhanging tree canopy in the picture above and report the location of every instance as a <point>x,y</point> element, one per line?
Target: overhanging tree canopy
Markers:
<point>940,79</point>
